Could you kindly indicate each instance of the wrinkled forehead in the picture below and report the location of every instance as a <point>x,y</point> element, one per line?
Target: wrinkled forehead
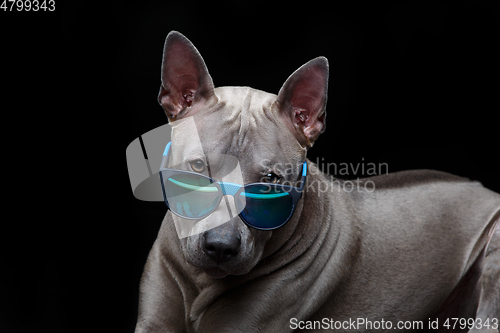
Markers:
<point>242,125</point>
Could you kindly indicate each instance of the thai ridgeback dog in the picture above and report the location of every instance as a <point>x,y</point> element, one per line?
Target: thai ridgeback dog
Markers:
<point>414,250</point>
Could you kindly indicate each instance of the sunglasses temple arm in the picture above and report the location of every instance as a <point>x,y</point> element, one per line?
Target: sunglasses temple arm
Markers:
<point>304,174</point>
<point>165,156</point>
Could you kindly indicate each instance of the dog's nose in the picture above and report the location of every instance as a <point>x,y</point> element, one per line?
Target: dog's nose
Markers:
<point>221,245</point>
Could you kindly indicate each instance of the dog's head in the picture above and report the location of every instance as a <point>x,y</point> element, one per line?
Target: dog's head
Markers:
<point>266,134</point>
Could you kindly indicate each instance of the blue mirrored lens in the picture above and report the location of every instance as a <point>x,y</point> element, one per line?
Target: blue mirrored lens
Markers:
<point>265,207</point>
<point>190,196</point>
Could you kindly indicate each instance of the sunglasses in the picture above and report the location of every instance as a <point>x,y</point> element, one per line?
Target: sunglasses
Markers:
<point>262,206</point>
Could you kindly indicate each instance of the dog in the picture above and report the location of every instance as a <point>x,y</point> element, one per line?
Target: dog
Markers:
<point>415,250</point>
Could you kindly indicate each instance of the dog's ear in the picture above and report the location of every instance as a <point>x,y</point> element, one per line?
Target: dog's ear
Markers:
<point>185,81</point>
<point>302,100</point>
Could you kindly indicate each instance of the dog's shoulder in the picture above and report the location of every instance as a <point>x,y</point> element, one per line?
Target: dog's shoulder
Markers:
<point>411,178</point>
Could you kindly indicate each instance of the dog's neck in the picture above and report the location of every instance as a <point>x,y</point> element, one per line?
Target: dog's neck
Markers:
<point>310,238</point>
<point>306,241</point>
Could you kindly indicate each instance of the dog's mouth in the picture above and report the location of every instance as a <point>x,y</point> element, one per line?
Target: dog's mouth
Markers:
<point>222,251</point>
<point>216,272</point>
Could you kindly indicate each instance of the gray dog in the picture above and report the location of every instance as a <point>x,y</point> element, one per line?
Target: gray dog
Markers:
<point>415,250</point>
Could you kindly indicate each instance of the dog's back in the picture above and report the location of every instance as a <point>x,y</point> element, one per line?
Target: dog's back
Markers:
<point>432,227</point>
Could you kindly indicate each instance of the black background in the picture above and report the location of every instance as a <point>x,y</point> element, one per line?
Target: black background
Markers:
<point>413,84</point>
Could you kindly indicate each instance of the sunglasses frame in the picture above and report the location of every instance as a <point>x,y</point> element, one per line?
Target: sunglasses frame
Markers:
<point>227,188</point>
